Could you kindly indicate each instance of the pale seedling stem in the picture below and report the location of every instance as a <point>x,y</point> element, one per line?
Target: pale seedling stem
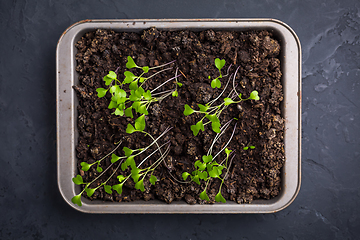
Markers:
<point>153,75</point>
<point>214,100</point>
<point>98,161</point>
<point>227,142</point>
<point>162,65</point>
<point>164,83</point>
<point>234,82</point>
<point>152,154</point>
<point>218,135</point>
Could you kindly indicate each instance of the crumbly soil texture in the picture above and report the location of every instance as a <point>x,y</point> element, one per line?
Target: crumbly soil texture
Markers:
<point>253,173</point>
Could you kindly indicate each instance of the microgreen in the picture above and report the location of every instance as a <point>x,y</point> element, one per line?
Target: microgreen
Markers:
<point>219,64</point>
<point>247,147</point>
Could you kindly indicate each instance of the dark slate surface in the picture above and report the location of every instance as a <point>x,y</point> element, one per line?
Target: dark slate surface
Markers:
<point>328,203</point>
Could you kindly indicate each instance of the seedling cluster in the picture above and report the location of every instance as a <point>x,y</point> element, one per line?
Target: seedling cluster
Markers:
<point>211,112</point>
<point>128,95</point>
<point>208,168</point>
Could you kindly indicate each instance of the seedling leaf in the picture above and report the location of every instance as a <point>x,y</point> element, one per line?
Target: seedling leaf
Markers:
<point>227,151</point>
<point>140,185</point>
<point>90,191</point>
<point>136,106</point>
<point>219,64</point>
<point>133,85</point>
<point>185,175</point>
<point>107,189</point>
<point>207,159</point>
<point>85,166</point>
<point>175,93</point>
<point>115,89</point>
<point>215,83</point>
<point>220,168</point>
<point>112,105</point>
<point>203,108</point>
<point>196,179</point>
<point>179,84</point>
<point>129,77</point>
<point>142,109</point>
<point>101,92</point>
<point>246,148</point>
<point>204,196</point>
<point>109,78</point>
<point>114,158</point>
<point>118,188</point>
<point>127,151</point>
<point>111,75</point>
<point>152,179</point>
<point>213,118</point>
<point>147,95</point>
<point>129,162</point>
<point>130,63</point>
<point>78,180</point>
<point>77,200</point>
<point>219,197</point>
<point>140,123</point>
<point>188,110</point>
<point>145,69</point>
<point>214,173</point>
<point>130,129</point>
<point>252,147</point>
<point>119,112</point>
<point>121,178</point>
<point>200,165</point>
<point>228,101</point>
<point>203,175</point>
<point>254,95</point>
<point>128,112</point>
<point>215,127</point>
<point>99,169</point>
<point>200,125</point>
<point>194,129</point>
<point>139,92</point>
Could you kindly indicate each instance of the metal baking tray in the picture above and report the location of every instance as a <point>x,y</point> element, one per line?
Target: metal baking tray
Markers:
<point>66,103</point>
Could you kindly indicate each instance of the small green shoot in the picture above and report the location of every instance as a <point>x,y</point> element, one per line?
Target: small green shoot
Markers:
<point>247,147</point>
<point>219,64</point>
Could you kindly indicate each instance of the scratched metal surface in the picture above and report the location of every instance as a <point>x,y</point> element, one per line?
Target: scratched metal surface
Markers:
<point>328,203</point>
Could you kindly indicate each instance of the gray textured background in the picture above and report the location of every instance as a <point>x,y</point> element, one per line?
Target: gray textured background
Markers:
<point>328,205</point>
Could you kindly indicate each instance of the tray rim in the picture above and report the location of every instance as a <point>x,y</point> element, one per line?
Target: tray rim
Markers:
<point>63,111</point>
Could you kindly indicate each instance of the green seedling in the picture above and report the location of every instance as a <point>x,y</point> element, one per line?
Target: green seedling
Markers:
<point>209,168</point>
<point>212,113</point>
<point>219,64</point>
<point>247,147</point>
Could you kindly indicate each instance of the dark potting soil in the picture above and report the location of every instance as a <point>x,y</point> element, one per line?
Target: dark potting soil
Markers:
<point>253,174</point>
